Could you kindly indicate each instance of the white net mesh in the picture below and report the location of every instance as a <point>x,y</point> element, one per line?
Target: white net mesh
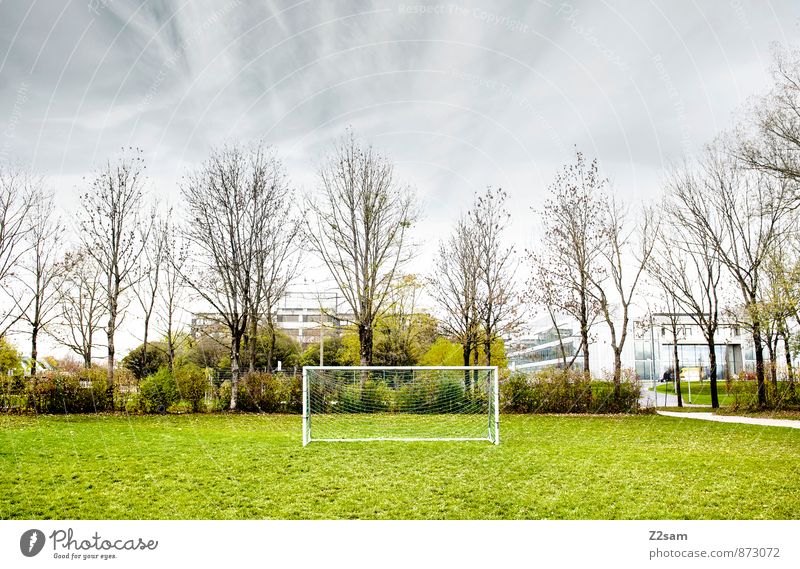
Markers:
<point>420,403</point>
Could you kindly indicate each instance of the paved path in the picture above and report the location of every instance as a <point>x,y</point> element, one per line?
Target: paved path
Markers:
<point>647,399</point>
<point>791,423</point>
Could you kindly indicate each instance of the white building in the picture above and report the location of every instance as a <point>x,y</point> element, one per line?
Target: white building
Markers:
<point>303,316</point>
<point>648,348</point>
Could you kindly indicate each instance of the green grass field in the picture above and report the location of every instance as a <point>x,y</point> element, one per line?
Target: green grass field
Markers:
<point>701,392</point>
<point>253,466</point>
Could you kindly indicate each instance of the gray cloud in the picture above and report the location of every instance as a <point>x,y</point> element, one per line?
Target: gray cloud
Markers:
<point>460,94</point>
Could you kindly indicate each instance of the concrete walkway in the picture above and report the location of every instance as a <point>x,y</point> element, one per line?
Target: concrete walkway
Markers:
<point>647,399</point>
<point>791,423</point>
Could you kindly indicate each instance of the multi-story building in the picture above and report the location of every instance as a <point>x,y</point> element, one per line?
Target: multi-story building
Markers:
<point>303,316</point>
<point>648,349</point>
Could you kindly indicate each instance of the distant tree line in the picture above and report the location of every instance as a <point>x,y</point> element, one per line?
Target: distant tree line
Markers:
<point>722,243</point>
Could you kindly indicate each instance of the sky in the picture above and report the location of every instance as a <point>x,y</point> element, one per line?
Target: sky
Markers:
<point>460,95</point>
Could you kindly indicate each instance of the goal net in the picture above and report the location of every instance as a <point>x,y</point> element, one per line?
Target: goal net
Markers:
<point>400,403</point>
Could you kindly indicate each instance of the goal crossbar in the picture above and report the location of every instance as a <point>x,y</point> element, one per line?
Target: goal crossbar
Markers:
<point>400,403</point>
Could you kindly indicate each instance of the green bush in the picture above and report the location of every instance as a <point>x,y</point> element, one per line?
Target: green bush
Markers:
<point>82,392</point>
<point>158,391</point>
<point>192,383</point>
<point>743,393</point>
<point>222,400</point>
<point>376,397</point>
<point>567,391</point>
<point>269,393</point>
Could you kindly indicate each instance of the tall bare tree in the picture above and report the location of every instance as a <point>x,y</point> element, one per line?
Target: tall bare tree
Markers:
<point>625,252</point>
<point>769,138</point>
<point>686,262</point>
<point>454,286</point>
<point>150,269</point>
<point>18,189</point>
<point>276,263</point>
<point>358,224</point>
<point>573,237</point>
<point>41,271</point>
<point>541,291</point>
<point>172,291</point>
<point>230,200</point>
<point>499,304</point>
<point>740,214</point>
<point>109,224</point>
<point>82,305</point>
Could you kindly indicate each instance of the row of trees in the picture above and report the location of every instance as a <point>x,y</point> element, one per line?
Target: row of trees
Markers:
<point>721,246</point>
<point>236,249</point>
<point>722,242</point>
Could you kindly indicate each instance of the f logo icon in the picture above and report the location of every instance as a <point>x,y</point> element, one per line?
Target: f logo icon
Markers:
<point>31,542</point>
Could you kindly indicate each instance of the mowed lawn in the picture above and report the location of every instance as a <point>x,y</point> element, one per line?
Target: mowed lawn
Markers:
<point>253,466</point>
<point>701,392</point>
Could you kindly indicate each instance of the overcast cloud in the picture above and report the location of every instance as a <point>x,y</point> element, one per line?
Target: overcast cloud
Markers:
<point>461,95</point>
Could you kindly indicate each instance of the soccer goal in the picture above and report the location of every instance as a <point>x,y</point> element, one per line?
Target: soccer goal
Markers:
<point>342,404</point>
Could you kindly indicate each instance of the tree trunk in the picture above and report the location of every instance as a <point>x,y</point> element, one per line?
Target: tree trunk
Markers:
<point>585,344</point>
<point>365,344</point>
<point>34,349</point>
<point>467,352</point>
<point>112,324</point>
<point>712,369</point>
<point>144,343</point>
<point>677,369</point>
<point>252,343</point>
<point>789,368</point>
<point>617,373</point>
<point>236,343</point>
<point>758,347</point>
<point>87,352</point>
<point>271,346</point>
<point>170,344</point>
<point>772,348</point>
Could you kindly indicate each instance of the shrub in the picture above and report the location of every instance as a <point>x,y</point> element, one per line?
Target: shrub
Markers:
<point>744,394</point>
<point>12,392</point>
<point>269,393</point>
<point>83,392</point>
<point>158,391</point>
<point>192,383</point>
<point>376,397</point>
<point>567,391</point>
<point>222,401</point>
<point>141,367</point>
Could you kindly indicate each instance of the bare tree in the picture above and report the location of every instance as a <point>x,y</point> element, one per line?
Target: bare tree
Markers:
<point>17,196</point>
<point>499,304</point>
<point>82,305</point>
<point>150,269</point>
<point>229,200</point>
<point>109,226</point>
<point>454,286</point>
<point>358,225</point>
<point>626,247</point>
<point>277,260</point>
<point>740,215</point>
<point>41,271</point>
<point>686,262</point>
<point>172,291</point>
<point>541,291</point>
<point>571,219</point>
<point>769,139</point>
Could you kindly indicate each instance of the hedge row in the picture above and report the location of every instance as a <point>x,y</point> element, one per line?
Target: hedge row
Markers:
<point>744,394</point>
<point>189,389</point>
<point>567,391</point>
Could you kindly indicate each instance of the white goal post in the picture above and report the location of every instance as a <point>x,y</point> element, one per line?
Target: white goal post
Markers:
<point>401,403</point>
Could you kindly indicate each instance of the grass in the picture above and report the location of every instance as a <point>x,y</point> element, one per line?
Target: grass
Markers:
<point>701,392</point>
<point>253,466</point>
